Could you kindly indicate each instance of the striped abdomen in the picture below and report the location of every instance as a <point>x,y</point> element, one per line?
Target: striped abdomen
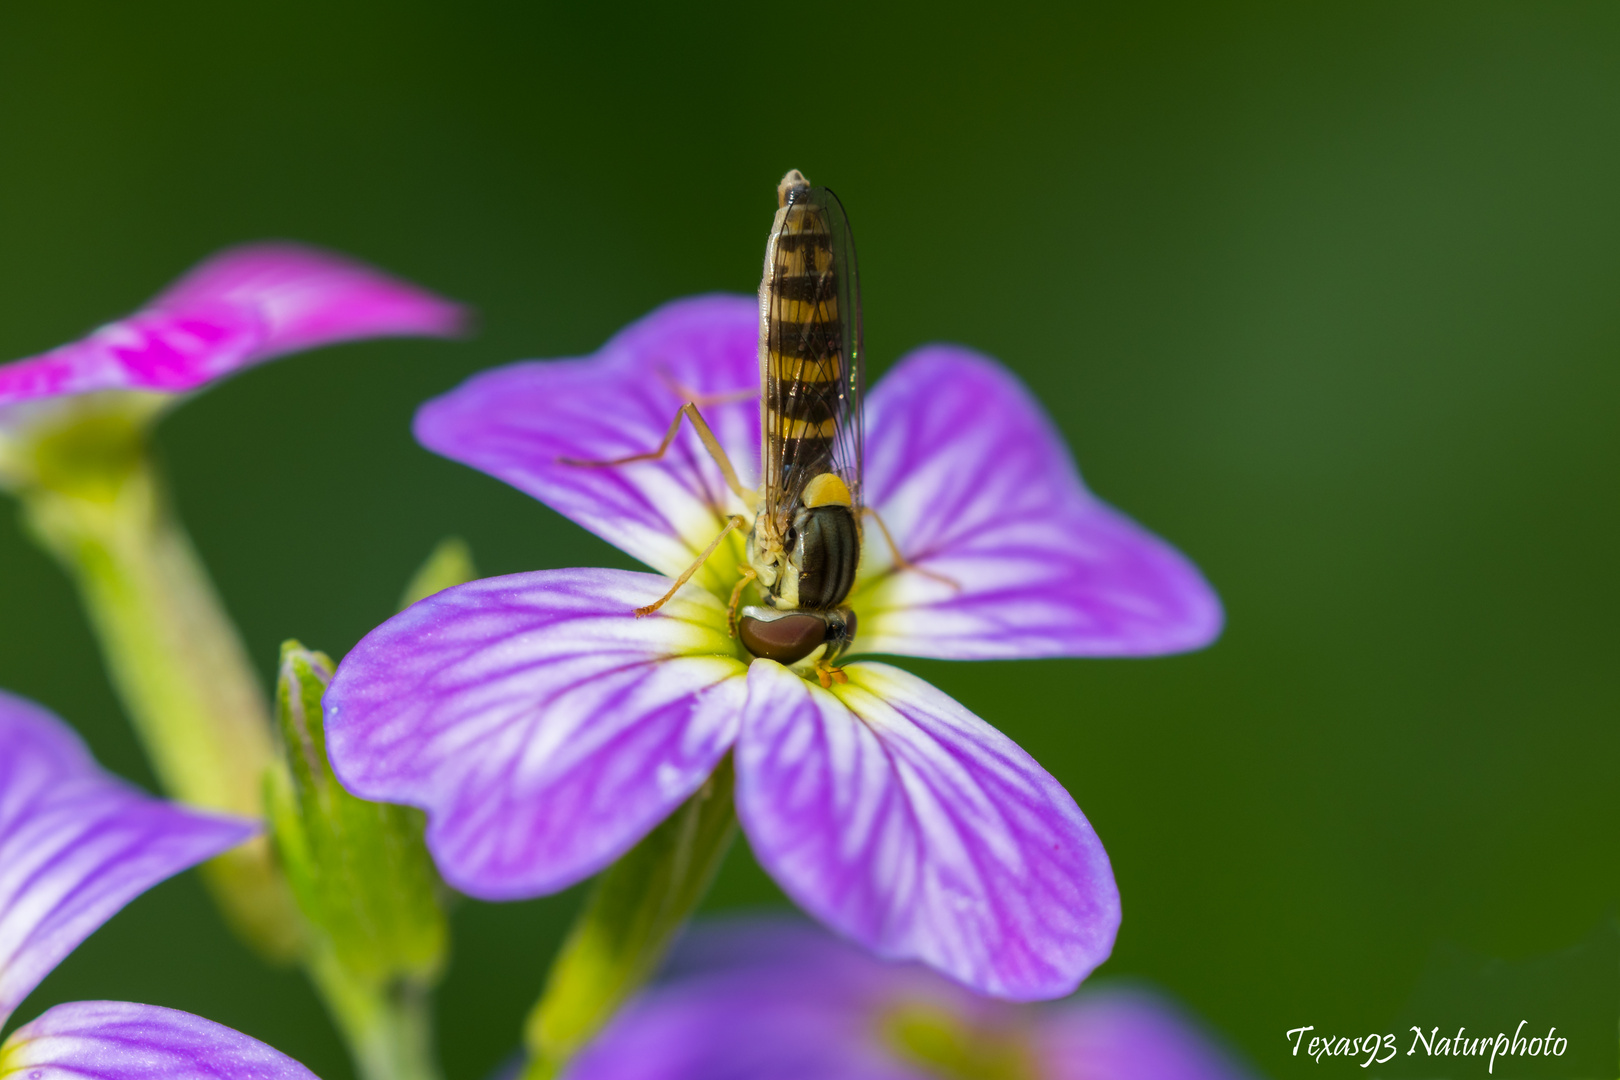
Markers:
<point>803,335</point>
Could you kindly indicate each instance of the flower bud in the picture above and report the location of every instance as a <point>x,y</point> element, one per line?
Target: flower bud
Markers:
<point>359,869</point>
<point>449,564</point>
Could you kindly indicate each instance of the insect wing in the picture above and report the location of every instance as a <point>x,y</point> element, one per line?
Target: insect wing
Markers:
<point>812,355</point>
<point>849,444</point>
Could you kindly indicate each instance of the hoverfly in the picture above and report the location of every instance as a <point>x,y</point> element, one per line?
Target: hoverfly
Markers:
<point>804,542</point>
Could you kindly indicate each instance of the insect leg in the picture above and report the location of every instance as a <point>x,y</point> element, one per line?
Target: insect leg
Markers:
<point>725,397</point>
<point>841,632</point>
<point>733,522</point>
<point>826,674</point>
<point>748,575</point>
<point>900,561</point>
<point>710,443</point>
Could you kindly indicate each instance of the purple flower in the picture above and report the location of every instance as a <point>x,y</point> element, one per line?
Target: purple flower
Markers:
<point>242,306</point>
<point>76,845</point>
<point>781,1000</point>
<point>73,450</point>
<point>545,730</point>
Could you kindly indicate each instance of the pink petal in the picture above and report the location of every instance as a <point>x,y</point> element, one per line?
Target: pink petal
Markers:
<point>77,844</point>
<point>516,422</point>
<point>153,350</point>
<point>542,726</point>
<point>307,297</point>
<point>241,307</point>
<point>905,822</point>
<point>116,1040</point>
<point>974,484</point>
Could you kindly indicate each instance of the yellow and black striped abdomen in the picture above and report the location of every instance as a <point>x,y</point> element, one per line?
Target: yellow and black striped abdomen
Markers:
<point>803,340</point>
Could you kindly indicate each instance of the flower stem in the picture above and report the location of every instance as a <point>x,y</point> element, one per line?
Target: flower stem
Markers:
<point>174,658</point>
<point>629,922</point>
<point>388,1029</point>
<point>91,497</point>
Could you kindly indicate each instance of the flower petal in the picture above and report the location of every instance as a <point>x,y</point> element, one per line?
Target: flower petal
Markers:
<point>732,1031</point>
<point>905,822</point>
<point>974,484</point>
<point>77,844</point>
<point>1117,1035</point>
<point>771,998</point>
<point>542,726</point>
<point>153,350</point>
<point>117,1040</point>
<point>307,297</point>
<point>516,423</point>
<point>238,308</point>
<point>767,999</point>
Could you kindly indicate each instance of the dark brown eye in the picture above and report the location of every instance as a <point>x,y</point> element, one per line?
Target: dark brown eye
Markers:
<point>787,639</point>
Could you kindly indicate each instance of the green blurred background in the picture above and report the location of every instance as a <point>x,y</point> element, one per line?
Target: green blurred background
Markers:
<point>1327,297</point>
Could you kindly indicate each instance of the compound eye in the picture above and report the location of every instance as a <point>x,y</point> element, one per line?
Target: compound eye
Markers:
<point>787,639</point>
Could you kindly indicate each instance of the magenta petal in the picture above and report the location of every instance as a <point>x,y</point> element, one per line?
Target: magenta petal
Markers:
<point>307,297</point>
<point>116,1040</point>
<point>238,308</point>
<point>516,422</point>
<point>905,822</point>
<point>542,726</point>
<point>153,350</point>
<point>975,484</point>
<point>77,844</point>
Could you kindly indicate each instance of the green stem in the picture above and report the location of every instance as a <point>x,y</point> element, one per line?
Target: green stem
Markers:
<point>388,1029</point>
<point>637,907</point>
<point>91,497</point>
<point>179,667</point>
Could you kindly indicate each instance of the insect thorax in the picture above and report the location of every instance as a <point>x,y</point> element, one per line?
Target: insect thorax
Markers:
<point>813,567</point>
<point>806,575</point>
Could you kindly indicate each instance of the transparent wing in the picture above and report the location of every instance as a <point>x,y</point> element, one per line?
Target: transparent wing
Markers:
<point>850,441</point>
<point>812,354</point>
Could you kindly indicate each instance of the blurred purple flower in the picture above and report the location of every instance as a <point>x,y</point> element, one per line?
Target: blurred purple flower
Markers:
<point>240,307</point>
<point>546,731</point>
<point>781,1000</point>
<point>76,845</point>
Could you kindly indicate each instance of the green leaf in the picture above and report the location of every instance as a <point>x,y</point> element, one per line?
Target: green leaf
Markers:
<point>632,917</point>
<point>359,869</point>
